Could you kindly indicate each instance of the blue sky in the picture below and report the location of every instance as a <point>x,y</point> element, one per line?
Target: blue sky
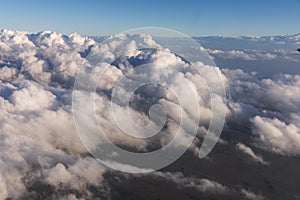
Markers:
<point>194,18</point>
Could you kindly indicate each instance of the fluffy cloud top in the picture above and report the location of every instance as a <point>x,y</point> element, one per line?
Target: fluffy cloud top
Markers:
<point>37,75</point>
<point>278,136</point>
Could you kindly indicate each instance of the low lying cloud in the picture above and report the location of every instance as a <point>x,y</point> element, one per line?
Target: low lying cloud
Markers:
<point>248,151</point>
<point>203,185</point>
<point>251,196</point>
<point>239,54</point>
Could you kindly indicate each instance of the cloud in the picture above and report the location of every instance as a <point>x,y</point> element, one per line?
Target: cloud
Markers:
<point>278,136</point>
<point>276,94</point>
<point>39,142</point>
<point>251,196</point>
<point>240,54</point>
<point>29,97</point>
<point>168,69</point>
<point>25,161</point>
<point>38,138</point>
<point>77,176</point>
<point>248,151</point>
<point>233,54</point>
<point>203,185</point>
<point>270,106</point>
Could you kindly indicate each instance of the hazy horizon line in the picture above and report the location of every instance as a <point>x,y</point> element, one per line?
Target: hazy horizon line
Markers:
<point>192,36</point>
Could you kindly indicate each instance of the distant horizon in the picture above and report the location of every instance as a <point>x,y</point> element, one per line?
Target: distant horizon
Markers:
<point>193,36</point>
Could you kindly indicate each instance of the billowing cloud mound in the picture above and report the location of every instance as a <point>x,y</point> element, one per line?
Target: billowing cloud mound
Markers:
<point>40,143</point>
<point>278,136</point>
<point>41,153</point>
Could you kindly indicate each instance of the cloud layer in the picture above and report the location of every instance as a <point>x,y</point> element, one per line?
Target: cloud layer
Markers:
<point>39,144</point>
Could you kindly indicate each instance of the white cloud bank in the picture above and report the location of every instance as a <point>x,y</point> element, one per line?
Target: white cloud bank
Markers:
<point>40,142</point>
<point>38,136</point>
<point>240,54</point>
